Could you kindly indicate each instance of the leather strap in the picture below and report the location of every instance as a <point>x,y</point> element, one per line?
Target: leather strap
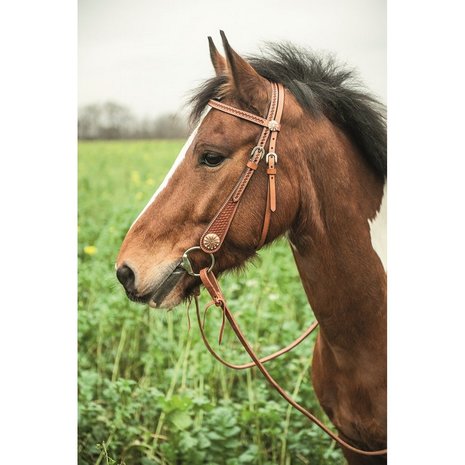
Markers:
<point>221,223</point>
<point>271,159</point>
<point>210,282</point>
<point>219,226</point>
<point>279,113</point>
<point>242,114</point>
<point>270,200</point>
<point>266,221</point>
<point>201,322</point>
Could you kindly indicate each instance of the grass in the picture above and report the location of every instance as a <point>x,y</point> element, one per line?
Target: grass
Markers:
<point>149,392</point>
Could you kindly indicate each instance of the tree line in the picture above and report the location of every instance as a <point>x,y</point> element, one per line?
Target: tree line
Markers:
<point>111,120</point>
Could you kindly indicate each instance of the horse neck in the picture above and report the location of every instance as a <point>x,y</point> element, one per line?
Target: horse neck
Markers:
<point>342,275</point>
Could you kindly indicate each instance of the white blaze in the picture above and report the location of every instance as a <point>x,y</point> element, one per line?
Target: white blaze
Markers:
<point>177,162</point>
<point>378,230</point>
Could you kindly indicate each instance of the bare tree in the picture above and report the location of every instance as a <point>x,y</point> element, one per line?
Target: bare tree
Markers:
<point>116,122</point>
<point>112,120</point>
<point>169,126</point>
<point>88,122</point>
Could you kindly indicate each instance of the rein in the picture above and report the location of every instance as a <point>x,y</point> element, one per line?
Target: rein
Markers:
<point>213,237</point>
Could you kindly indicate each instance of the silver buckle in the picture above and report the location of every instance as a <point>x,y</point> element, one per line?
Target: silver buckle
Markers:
<point>272,154</point>
<point>187,265</point>
<point>256,149</point>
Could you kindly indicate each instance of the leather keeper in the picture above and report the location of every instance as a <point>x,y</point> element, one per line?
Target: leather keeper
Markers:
<point>271,171</point>
<point>252,165</point>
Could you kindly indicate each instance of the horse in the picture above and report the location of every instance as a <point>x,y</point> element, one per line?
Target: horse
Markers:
<point>327,190</point>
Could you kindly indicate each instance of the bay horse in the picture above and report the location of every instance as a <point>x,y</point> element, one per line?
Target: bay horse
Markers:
<point>327,192</point>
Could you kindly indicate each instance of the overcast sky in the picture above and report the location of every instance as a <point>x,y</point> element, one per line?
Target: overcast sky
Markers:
<point>148,54</point>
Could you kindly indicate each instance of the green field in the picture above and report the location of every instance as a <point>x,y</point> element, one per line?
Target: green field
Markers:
<point>149,392</point>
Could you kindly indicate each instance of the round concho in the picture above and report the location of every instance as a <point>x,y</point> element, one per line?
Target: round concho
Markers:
<point>211,241</point>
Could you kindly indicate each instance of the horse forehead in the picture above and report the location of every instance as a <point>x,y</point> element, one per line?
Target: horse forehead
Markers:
<point>225,129</point>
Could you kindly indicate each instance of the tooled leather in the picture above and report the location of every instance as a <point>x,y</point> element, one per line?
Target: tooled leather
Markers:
<point>222,221</point>
<point>241,114</point>
<point>237,193</point>
<point>261,143</point>
<point>279,112</point>
<point>271,171</point>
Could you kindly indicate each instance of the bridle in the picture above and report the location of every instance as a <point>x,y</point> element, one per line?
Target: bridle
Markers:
<point>213,237</point>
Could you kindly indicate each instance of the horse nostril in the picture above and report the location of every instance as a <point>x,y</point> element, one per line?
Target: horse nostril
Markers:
<point>126,277</point>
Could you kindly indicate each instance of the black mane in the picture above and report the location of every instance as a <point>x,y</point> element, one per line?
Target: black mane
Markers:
<point>320,85</point>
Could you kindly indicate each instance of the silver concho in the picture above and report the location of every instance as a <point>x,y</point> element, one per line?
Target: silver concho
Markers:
<point>273,125</point>
<point>211,241</point>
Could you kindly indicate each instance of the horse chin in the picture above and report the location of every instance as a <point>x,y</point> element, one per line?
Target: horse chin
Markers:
<point>177,288</point>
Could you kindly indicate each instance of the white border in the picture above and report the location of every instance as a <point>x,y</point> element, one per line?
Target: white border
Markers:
<point>425,224</point>
<point>38,331</point>
<point>425,232</point>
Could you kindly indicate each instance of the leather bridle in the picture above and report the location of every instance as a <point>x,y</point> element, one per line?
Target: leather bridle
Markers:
<point>213,237</point>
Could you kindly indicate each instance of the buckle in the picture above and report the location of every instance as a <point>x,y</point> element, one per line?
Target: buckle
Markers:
<point>272,154</point>
<point>257,148</point>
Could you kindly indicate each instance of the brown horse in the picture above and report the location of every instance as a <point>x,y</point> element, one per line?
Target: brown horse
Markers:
<point>330,185</point>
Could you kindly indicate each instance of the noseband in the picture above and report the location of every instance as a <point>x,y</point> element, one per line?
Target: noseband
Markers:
<point>213,237</point>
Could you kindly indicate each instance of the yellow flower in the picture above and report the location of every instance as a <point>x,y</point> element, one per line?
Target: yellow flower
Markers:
<point>90,249</point>
<point>150,182</point>
<point>135,177</point>
<point>139,195</point>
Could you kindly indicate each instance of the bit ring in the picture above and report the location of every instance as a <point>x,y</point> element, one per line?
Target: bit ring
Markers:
<point>187,265</point>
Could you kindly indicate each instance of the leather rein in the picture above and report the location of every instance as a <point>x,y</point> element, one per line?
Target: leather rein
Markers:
<point>213,237</point>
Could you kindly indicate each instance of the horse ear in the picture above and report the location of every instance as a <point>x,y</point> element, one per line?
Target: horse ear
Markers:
<point>248,84</point>
<point>218,61</point>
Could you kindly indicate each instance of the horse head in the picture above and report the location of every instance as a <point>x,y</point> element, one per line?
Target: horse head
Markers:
<point>199,182</point>
<point>329,182</point>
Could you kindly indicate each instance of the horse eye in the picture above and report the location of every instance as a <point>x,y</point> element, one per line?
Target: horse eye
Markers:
<point>211,159</point>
